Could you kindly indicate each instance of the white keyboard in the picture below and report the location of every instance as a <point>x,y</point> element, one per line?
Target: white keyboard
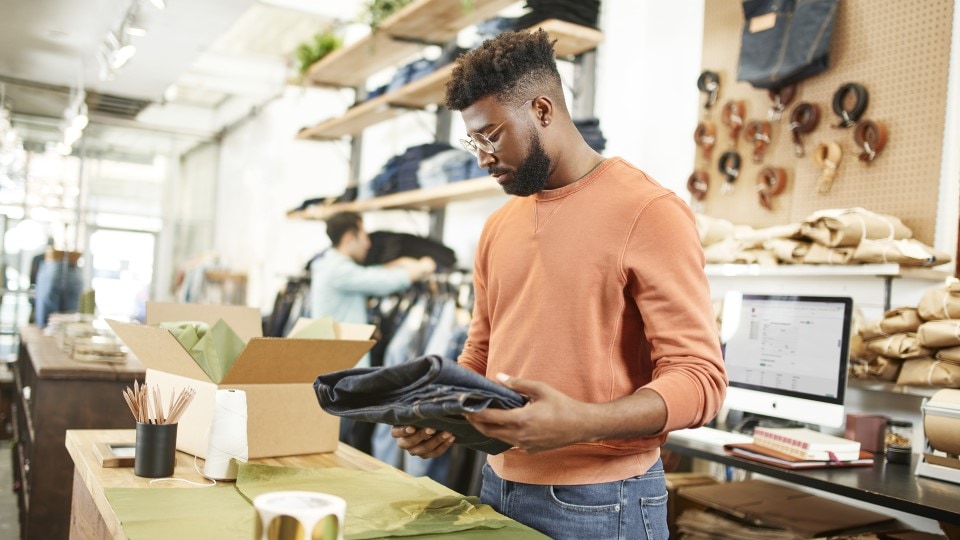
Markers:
<point>709,436</point>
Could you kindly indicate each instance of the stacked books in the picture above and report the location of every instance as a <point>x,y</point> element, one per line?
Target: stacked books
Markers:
<point>806,444</point>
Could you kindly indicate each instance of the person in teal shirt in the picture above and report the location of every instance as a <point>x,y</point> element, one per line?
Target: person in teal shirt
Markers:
<point>340,285</point>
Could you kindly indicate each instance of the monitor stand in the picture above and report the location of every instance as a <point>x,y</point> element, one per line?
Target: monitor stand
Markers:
<point>745,422</point>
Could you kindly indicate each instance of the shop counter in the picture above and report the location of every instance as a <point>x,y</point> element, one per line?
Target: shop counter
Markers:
<point>93,516</point>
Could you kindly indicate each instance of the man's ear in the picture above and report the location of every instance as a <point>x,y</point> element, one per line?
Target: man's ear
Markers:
<point>543,106</point>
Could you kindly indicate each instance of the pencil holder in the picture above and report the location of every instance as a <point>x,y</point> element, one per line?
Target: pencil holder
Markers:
<point>155,451</point>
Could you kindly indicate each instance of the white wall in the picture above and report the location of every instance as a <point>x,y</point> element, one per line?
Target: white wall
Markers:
<point>264,172</point>
<point>647,96</point>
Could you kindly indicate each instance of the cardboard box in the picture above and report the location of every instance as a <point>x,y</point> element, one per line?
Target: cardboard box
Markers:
<point>776,505</point>
<point>277,374</point>
<point>677,505</point>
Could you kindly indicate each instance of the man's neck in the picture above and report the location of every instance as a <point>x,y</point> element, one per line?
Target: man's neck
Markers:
<point>575,167</point>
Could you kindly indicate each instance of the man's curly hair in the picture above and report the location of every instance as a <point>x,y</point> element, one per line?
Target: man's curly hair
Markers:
<point>513,67</point>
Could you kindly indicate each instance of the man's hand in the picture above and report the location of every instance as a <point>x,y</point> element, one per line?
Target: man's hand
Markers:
<point>422,442</point>
<point>549,420</point>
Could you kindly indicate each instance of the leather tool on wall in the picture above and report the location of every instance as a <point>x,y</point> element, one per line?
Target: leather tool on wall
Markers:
<point>709,84</point>
<point>770,183</point>
<point>827,155</point>
<point>758,133</point>
<point>850,115</point>
<point>733,115</point>
<point>803,120</point>
<point>698,184</point>
<point>871,136</point>
<point>781,97</point>
<point>705,136</point>
<point>729,166</point>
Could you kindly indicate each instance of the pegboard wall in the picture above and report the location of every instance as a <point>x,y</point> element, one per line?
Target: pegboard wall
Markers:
<point>900,51</point>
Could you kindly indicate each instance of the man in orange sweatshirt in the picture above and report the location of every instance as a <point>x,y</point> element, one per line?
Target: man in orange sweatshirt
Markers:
<point>591,300</point>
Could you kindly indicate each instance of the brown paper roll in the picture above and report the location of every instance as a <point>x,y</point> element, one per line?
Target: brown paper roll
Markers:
<point>943,433</point>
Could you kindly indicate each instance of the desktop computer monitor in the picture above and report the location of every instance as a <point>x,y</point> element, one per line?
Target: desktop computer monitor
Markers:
<point>786,356</point>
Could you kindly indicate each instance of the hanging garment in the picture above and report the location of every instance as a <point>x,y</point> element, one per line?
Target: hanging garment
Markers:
<point>59,284</point>
<point>785,41</point>
<point>386,246</point>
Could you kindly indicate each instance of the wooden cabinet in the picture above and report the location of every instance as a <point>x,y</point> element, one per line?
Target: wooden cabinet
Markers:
<point>53,394</point>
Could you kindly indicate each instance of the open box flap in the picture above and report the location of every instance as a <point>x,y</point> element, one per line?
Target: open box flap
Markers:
<point>286,361</point>
<point>342,330</point>
<point>158,349</point>
<point>243,320</point>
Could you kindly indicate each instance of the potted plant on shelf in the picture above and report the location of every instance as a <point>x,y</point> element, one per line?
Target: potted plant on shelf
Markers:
<point>312,51</point>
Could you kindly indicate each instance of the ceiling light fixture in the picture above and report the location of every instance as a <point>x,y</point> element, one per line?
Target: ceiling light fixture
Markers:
<point>133,22</point>
<point>116,49</point>
<point>159,4</point>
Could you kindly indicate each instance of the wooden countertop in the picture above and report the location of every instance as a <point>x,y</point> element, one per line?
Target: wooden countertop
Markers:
<point>80,445</point>
<point>51,362</point>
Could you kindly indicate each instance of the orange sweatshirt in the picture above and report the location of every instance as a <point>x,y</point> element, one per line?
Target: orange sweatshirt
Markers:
<point>597,288</point>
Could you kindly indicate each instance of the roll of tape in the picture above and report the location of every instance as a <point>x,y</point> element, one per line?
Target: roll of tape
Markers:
<point>941,421</point>
<point>289,515</point>
<point>228,435</point>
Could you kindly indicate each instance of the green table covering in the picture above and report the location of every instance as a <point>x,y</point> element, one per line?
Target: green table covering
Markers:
<point>380,504</point>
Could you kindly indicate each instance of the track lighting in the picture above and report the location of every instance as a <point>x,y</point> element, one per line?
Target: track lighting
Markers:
<point>117,49</point>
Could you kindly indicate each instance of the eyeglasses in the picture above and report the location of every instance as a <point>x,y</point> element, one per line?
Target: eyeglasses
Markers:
<point>478,141</point>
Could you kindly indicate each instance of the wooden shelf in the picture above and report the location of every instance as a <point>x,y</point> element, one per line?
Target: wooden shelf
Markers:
<point>571,39</point>
<point>421,23</point>
<point>418,199</point>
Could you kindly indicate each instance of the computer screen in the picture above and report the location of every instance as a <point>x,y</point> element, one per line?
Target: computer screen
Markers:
<point>786,356</point>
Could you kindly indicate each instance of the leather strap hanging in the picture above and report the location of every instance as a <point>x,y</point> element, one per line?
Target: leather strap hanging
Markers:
<point>698,184</point>
<point>709,84</point>
<point>803,120</point>
<point>758,133</point>
<point>770,183</point>
<point>827,155</point>
<point>849,117</point>
<point>729,166</point>
<point>705,136</point>
<point>781,97</point>
<point>871,137</point>
<point>733,114</point>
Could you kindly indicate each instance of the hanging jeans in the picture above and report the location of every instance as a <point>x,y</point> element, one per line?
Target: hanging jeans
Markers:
<point>427,392</point>
<point>59,284</point>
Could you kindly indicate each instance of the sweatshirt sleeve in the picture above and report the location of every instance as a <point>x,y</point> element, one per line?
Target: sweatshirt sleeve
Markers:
<point>664,264</point>
<point>474,355</point>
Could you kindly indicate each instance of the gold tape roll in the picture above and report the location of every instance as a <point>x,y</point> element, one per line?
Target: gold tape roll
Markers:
<point>943,432</point>
<point>299,515</point>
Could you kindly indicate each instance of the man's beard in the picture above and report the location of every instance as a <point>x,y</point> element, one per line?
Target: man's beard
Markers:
<point>531,176</point>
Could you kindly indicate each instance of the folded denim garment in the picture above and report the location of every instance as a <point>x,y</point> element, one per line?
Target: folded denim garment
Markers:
<point>428,391</point>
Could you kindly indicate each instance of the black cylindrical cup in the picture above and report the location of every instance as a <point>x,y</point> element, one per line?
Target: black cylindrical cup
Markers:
<point>155,451</point>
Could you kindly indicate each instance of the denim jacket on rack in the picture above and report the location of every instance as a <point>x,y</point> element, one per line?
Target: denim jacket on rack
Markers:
<point>429,391</point>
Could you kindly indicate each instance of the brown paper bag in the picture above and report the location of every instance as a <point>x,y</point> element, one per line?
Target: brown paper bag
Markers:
<point>906,252</point>
<point>847,226</point>
<point>788,251</point>
<point>820,254</point>
<point>883,368</point>
<point>941,302</point>
<point>950,354</point>
<point>901,346</point>
<point>944,333</point>
<point>929,372</point>
<point>894,321</point>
